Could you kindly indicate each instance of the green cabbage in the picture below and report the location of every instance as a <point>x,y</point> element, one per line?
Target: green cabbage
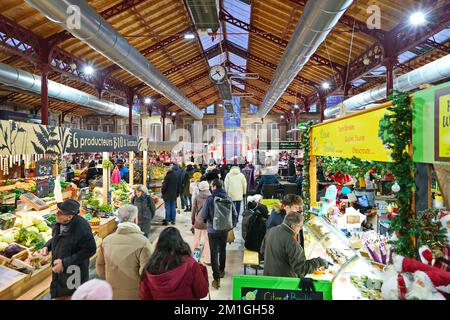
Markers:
<point>8,237</point>
<point>42,227</point>
<point>33,229</point>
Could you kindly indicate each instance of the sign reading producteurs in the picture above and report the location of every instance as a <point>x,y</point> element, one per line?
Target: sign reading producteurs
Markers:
<point>355,136</point>
<point>90,141</point>
<point>26,138</point>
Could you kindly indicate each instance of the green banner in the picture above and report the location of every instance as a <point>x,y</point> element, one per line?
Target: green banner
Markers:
<point>431,125</point>
<point>277,288</point>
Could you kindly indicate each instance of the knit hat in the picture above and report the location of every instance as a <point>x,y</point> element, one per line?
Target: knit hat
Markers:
<point>69,207</point>
<point>94,289</point>
<point>204,185</point>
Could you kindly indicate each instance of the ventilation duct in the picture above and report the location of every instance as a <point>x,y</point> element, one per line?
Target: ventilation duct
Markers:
<point>26,81</point>
<point>102,37</point>
<point>429,73</point>
<point>317,20</point>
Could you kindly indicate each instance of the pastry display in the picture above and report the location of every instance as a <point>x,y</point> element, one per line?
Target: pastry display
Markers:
<point>337,256</point>
<point>368,287</point>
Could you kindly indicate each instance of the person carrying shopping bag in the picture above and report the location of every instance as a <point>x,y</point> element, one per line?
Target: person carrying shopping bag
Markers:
<point>200,228</point>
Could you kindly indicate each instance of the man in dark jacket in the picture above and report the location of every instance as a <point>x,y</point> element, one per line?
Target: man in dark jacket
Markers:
<point>283,254</point>
<point>256,226</point>
<point>72,245</point>
<point>170,191</point>
<point>290,202</point>
<point>267,178</point>
<point>217,239</point>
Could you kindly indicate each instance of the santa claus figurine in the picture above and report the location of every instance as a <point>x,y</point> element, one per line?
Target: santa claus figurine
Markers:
<point>408,279</point>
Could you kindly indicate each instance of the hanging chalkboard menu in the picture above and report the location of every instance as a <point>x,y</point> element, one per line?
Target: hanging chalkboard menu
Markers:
<point>44,167</point>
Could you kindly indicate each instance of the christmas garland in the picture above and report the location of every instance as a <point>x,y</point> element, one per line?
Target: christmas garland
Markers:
<point>355,167</point>
<point>396,133</point>
<point>429,231</point>
<point>306,145</point>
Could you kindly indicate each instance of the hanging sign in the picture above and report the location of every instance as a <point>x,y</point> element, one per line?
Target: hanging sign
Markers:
<point>26,138</point>
<point>431,125</point>
<point>353,136</point>
<point>42,187</point>
<point>279,145</point>
<point>277,288</point>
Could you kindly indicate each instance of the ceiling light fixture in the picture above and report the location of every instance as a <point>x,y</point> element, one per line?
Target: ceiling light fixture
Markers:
<point>147,100</point>
<point>417,18</point>
<point>189,36</point>
<point>296,106</point>
<point>325,85</point>
<point>88,70</point>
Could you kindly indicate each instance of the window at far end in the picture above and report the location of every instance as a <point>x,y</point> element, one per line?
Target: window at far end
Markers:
<point>211,109</point>
<point>253,109</point>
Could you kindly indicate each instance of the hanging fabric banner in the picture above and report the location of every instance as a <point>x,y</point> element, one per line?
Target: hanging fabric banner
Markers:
<point>26,138</point>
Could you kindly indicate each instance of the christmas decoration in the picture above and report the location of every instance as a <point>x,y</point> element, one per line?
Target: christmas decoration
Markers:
<point>395,132</point>
<point>306,145</point>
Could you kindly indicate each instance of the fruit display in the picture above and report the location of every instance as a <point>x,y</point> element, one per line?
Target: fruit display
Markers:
<point>94,221</point>
<point>121,194</point>
<point>157,172</point>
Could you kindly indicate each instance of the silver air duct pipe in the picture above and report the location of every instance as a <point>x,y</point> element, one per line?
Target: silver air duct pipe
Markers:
<point>20,79</point>
<point>317,20</point>
<point>429,73</point>
<point>101,36</point>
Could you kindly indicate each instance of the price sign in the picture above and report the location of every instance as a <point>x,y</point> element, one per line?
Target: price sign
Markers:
<point>42,187</point>
<point>44,167</point>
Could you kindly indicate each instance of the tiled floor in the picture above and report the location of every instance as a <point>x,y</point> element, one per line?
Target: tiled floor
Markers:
<point>234,251</point>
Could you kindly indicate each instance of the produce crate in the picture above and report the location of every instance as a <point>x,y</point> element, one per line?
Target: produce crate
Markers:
<point>7,221</point>
<point>8,198</point>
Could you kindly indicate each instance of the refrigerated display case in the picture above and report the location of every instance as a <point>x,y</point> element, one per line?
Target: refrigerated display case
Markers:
<point>353,276</point>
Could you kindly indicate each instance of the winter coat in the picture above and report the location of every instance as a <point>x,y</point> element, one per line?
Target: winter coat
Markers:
<point>180,173</point>
<point>121,259</point>
<point>212,173</point>
<point>198,203</point>
<point>251,208</point>
<point>284,256</point>
<point>276,217</point>
<point>146,211</point>
<point>207,212</point>
<point>266,179</point>
<point>170,186</point>
<point>74,247</point>
<point>188,281</point>
<point>185,190</point>
<point>236,184</point>
<point>256,227</point>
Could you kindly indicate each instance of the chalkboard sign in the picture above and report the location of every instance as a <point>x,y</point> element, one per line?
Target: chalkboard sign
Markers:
<point>42,187</point>
<point>277,294</point>
<point>44,167</point>
<point>248,287</point>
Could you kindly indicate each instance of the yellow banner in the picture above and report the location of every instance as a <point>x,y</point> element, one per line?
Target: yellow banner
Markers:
<point>355,136</point>
<point>442,125</point>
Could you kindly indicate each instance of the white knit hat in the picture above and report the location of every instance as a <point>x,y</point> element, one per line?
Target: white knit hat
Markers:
<point>204,185</point>
<point>94,289</point>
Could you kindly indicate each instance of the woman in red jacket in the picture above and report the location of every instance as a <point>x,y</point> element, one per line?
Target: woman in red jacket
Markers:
<point>171,273</point>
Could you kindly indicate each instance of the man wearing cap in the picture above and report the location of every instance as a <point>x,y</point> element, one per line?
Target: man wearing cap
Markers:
<point>72,245</point>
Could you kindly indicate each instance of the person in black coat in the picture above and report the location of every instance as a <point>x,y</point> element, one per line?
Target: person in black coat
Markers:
<point>92,171</point>
<point>256,224</point>
<point>170,191</point>
<point>72,245</point>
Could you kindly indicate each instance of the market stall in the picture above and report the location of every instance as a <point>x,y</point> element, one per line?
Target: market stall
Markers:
<point>374,141</point>
<point>31,158</point>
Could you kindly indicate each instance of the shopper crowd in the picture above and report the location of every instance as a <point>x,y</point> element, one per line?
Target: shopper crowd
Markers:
<point>213,195</point>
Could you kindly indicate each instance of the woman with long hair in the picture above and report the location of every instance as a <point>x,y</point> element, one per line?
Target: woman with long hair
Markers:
<point>171,273</point>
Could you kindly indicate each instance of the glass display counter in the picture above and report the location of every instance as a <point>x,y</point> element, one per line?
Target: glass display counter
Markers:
<point>352,275</point>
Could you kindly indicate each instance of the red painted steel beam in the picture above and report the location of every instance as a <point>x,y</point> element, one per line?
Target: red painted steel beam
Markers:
<point>439,46</point>
<point>225,16</point>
